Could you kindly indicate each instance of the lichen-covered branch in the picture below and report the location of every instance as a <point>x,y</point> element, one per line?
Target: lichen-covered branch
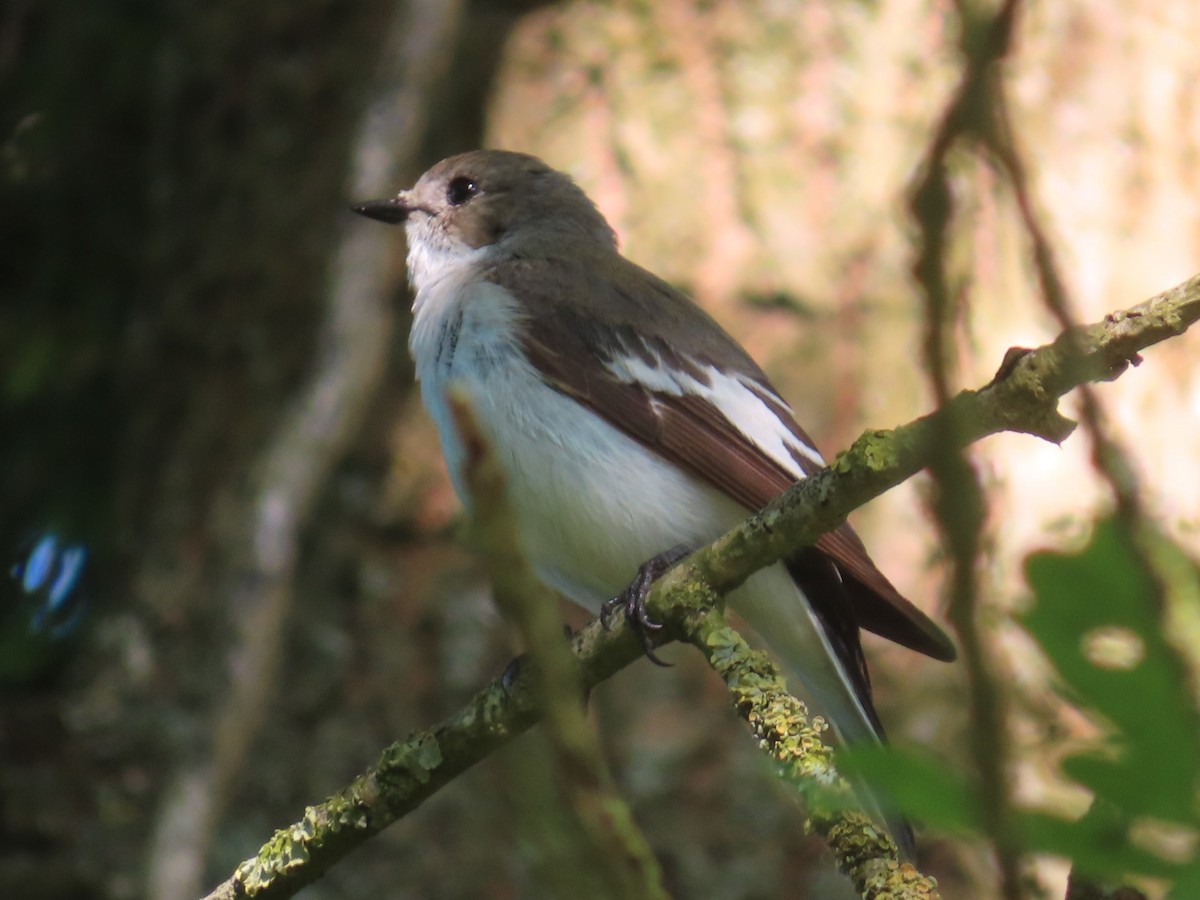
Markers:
<point>1022,397</point>
<point>410,771</point>
<point>781,723</point>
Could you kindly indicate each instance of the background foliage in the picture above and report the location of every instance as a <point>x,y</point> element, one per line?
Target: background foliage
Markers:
<point>202,374</point>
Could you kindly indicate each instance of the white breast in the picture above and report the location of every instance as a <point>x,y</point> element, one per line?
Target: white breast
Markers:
<point>592,504</point>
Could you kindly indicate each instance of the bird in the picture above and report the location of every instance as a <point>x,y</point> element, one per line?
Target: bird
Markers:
<point>630,426</point>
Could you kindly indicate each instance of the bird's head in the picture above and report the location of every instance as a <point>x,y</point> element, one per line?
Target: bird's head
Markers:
<point>492,200</point>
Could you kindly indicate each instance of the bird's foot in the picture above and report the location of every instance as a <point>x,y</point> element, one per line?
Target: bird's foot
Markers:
<point>632,600</point>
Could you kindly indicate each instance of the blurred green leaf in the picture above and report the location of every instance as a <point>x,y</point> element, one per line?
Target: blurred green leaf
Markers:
<point>1097,617</point>
<point>1098,844</point>
<point>918,786</point>
<point>1103,595</point>
<point>1188,885</point>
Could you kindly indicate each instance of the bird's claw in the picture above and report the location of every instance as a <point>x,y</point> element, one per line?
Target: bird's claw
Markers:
<point>632,601</point>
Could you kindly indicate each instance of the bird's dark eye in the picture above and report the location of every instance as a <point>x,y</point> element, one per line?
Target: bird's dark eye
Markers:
<point>460,190</point>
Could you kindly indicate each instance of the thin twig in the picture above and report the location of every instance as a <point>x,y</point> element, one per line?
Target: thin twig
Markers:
<point>1109,458</point>
<point>959,503</point>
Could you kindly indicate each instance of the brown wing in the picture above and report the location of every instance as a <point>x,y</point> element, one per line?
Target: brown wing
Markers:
<point>693,433</point>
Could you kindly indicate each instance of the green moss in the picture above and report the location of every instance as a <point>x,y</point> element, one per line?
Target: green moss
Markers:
<point>286,850</point>
<point>416,757</point>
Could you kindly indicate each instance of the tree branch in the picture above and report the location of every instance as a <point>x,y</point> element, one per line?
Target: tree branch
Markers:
<point>864,852</point>
<point>1023,397</point>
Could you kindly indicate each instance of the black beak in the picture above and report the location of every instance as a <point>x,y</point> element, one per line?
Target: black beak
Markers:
<point>392,211</point>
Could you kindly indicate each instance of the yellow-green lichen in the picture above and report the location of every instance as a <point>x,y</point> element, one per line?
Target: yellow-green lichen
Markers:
<point>417,757</point>
<point>287,849</point>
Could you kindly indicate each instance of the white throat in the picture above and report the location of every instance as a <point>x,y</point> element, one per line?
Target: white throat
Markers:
<point>432,258</point>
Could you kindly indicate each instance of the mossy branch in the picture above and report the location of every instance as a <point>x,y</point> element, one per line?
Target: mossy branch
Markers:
<point>780,722</point>
<point>1023,397</point>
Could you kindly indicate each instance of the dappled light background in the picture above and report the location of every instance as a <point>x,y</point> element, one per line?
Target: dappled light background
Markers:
<point>205,377</point>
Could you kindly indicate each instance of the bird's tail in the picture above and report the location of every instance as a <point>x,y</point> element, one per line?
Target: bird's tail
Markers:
<point>818,643</point>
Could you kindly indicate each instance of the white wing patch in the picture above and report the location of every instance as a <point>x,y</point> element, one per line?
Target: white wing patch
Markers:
<point>738,398</point>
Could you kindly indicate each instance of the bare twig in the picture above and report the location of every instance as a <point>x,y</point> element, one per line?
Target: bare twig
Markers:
<point>1109,458</point>
<point>959,502</point>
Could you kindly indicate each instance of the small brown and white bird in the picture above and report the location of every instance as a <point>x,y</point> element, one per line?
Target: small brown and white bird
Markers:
<point>628,422</point>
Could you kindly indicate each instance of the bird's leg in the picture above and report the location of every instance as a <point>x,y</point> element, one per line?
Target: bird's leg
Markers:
<point>632,600</point>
